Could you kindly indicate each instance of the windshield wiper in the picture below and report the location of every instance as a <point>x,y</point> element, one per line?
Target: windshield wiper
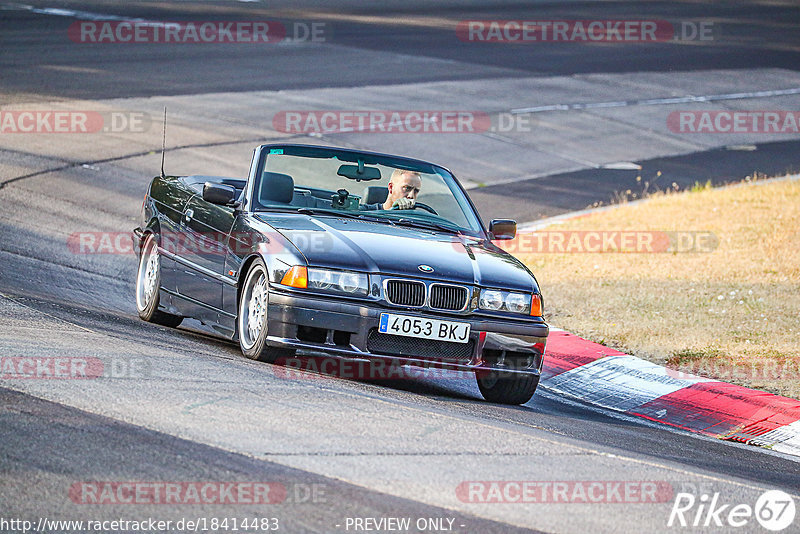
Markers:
<point>429,225</point>
<point>326,211</point>
<point>345,214</point>
<point>333,213</point>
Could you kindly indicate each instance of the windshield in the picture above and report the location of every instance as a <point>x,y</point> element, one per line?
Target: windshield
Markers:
<point>388,189</point>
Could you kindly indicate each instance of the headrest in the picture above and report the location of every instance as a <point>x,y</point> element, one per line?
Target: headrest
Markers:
<point>374,194</point>
<point>276,187</point>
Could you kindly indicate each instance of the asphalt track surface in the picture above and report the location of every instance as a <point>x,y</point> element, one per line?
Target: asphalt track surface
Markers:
<point>185,406</point>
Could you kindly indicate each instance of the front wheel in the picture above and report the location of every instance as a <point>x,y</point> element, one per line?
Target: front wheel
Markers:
<point>506,388</point>
<point>148,281</point>
<point>251,322</point>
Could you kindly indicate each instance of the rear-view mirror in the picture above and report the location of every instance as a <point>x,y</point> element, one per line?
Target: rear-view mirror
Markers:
<point>359,172</point>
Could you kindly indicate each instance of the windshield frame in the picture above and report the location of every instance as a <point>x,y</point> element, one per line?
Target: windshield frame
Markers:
<point>352,156</point>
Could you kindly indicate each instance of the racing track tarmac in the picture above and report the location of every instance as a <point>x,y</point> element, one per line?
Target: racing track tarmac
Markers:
<point>182,406</point>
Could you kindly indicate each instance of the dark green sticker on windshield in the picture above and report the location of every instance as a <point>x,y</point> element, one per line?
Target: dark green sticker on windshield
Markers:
<point>276,151</point>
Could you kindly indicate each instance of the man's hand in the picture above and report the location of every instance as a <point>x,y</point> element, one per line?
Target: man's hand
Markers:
<point>403,204</point>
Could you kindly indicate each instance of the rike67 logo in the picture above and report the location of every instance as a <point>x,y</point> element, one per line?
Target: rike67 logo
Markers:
<point>774,510</point>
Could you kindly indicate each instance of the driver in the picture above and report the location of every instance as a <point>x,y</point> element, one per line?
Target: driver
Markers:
<point>404,187</point>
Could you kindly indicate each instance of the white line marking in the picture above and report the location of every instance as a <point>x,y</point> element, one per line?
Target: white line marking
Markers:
<point>58,12</point>
<point>659,101</point>
<point>87,15</point>
<point>623,166</point>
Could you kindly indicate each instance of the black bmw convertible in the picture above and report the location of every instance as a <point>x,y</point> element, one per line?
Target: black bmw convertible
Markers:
<point>351,253</point>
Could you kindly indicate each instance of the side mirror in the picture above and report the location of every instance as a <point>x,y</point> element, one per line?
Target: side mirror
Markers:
<point>502,229</point>
<point>219,194</point>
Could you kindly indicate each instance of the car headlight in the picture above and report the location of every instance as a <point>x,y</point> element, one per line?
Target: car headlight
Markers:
<point>320,279</point>
<point>518,303</point>
<point>347,282</point>
<point>510,301</point>
<point>491,300</point>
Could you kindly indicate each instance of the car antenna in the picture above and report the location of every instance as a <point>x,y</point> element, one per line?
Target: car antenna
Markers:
<point>164,142</point>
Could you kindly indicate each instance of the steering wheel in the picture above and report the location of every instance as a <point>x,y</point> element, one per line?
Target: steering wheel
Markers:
<point>420,205</point>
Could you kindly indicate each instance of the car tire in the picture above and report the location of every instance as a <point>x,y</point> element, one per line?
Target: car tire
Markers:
<point>251,320</point>
<point>148,281</point>
<point>506,388</point>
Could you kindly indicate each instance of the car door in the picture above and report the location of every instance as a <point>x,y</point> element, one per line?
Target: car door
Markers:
<point>205,228</point>
<point>170,195</point>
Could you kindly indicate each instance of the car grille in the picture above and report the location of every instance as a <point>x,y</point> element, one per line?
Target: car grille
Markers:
<point>412,347</point>
<point>447,297</point>
<point>405,293</point>
<point>413,293</point>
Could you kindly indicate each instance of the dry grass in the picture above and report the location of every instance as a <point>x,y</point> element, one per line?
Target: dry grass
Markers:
<point>732,314</point>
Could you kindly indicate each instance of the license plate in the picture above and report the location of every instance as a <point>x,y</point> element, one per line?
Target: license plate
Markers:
<point>406,325</point>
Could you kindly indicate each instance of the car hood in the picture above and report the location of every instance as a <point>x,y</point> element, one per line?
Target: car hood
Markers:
<point>400,250</point>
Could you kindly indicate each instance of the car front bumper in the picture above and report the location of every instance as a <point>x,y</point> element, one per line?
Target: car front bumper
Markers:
<point>350,329</point>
